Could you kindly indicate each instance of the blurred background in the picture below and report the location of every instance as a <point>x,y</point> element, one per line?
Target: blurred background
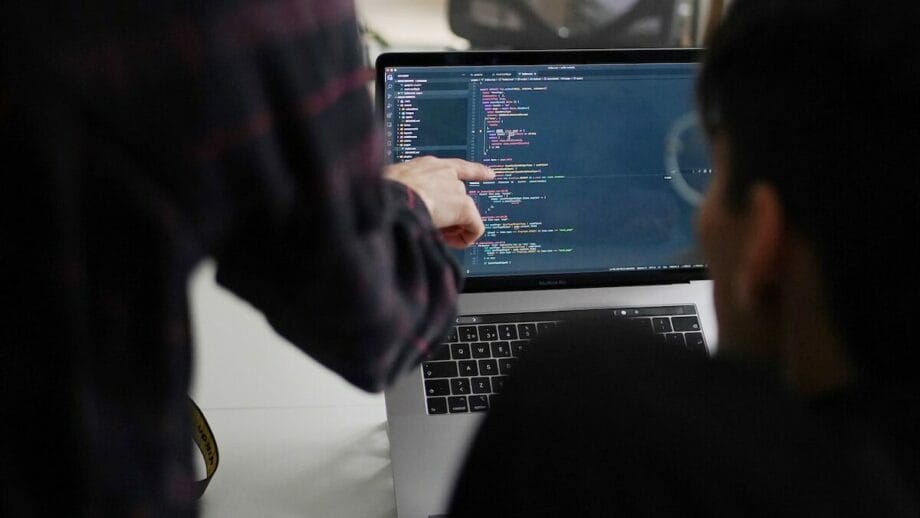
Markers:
<point>399,25</point>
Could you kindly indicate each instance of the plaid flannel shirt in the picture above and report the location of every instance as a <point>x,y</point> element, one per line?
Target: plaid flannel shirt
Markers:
<point>146,137</point>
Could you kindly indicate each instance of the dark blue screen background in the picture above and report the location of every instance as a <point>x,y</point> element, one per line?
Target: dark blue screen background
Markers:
<point>583,186</point>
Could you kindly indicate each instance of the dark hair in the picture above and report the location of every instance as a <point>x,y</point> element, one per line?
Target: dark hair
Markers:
<point>820,98</point>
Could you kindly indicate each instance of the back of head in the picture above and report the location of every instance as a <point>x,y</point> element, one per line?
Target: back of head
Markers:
<point>820,99</point>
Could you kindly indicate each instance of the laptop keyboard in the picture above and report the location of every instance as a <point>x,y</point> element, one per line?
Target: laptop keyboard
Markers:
<point>468,371</point>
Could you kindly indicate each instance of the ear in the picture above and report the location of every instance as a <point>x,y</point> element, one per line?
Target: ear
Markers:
<point>765,247</point>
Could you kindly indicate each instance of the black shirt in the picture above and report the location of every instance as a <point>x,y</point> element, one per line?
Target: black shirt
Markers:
<point>607,421</point>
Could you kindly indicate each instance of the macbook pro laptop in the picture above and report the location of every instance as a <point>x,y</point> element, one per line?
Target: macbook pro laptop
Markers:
<point>600,167</point>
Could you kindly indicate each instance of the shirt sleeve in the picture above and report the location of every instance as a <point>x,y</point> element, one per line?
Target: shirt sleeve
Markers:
<point>345,264</point>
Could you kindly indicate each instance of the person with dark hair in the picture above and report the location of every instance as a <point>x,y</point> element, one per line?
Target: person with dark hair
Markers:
<point>811,406</point>
<point>139,138</point>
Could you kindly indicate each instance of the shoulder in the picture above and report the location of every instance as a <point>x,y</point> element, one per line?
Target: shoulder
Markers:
<point>602,416</point>
<point>614,360</point>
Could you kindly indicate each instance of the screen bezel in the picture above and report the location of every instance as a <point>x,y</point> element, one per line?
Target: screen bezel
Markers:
<point>549,57</point>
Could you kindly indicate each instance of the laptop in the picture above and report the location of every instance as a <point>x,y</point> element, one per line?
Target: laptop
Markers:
<point>600,167</point>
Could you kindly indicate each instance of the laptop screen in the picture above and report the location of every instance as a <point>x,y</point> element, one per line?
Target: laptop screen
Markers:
<point>600,163</point>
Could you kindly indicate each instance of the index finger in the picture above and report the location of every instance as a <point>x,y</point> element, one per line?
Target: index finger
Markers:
<point>471,171</point>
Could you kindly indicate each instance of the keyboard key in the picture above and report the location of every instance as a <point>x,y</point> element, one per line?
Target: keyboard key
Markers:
<point>696,343</point>
<point>479,403</point>
<point>492,399</point>
<point>438,352</point>
<point>468,368</point>
<point>437,388</point>
<point>644,323</point>
<point>437,405</point>
<point>481,350</point>
<point>501,349</point>
<point>488,333</point>
<point>527,331</point>
<point>481,385</point>
<point>506,365</point>
<point>518,346</point>
<point>440,369</point>
<point>686,323</point>
<point>662,324</point>
<point>459,386</point>
<point>457,404</point>
<point>507,332</point>
<point>469,334</point>
<point>488,367</point>
<point>543,327</point>
<point>498,384</point>
<point>460,351</point>
<point>452,335</point>
<point>676,339</point>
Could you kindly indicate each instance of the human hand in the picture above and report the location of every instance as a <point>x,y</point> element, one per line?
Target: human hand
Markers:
<point>439,183</point>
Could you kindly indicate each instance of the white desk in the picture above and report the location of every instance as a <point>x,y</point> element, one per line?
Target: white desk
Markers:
<point>294,439</point>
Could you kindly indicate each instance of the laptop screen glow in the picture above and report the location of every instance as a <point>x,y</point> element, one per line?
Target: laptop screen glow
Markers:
<point>600,166</point>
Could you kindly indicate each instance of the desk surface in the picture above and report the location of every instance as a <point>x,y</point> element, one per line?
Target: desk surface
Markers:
<point>293,462</point>
<point>294,438</point>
